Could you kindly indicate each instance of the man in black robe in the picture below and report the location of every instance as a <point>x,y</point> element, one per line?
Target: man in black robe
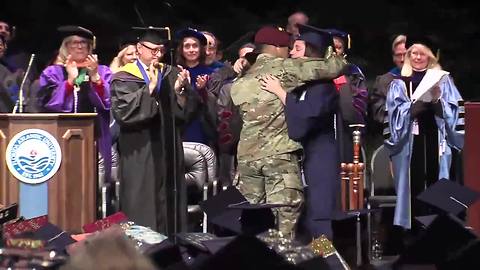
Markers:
<point>150,102</point>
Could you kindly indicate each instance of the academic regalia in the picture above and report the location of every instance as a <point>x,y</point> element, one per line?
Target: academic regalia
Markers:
<point>147,144</point>
<point>352,102</point>
<point>55,97</point>
<point>201,129</point>
<point>403,145</point>
<point>310,112</point>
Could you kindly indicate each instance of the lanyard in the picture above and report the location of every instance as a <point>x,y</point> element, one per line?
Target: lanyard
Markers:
<point>147,80</point>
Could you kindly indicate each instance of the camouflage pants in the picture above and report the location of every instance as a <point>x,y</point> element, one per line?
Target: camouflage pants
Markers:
<point>276,180</point>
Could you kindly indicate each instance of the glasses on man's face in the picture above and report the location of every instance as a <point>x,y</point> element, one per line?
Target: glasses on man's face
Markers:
<point>154,51</point>
<point>78,43</point>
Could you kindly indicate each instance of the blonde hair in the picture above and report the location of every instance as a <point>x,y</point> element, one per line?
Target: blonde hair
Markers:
<point>63,51</point>
<point>398,40</point>
<point>432,60</point>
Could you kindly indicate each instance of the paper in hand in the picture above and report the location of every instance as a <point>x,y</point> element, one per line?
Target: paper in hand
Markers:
<point>425,90</point>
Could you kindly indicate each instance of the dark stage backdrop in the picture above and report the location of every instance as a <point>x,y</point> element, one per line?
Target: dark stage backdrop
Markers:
<point>372,24</point>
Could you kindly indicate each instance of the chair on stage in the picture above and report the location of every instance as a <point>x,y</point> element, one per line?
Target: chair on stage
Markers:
<point>201,177</point>
<point>381,186</point>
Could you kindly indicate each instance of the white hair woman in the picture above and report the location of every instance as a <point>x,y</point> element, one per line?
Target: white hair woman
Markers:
<point>76,83</point>
<point>425,125</point>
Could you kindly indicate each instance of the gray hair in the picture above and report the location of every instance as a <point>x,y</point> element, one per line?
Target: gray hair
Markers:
<point>398,40</point>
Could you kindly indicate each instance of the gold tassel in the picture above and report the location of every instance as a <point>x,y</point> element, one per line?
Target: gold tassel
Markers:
<point>349,45</point>
<point>94,43</point>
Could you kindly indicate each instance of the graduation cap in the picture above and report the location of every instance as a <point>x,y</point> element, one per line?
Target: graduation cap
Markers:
<point>165,254</point>
<point>449,197</point>
<point>426,40</point>
<point>465,258</point>
<point>8,213</point>
<point>191,32</point>
<point>128,38</point>
<point>246,252</point>
<point>215,245</point>
<point>56,239</point>
<point>343,35</point>
<point>230,210</point>
<point>155,35</point>
<point>439,244</point>
<point>316,37</point>
<point>74,30</point>
<point>52,236</point>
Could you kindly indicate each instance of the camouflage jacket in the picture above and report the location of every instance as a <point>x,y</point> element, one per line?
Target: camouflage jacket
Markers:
<point>264,132</point>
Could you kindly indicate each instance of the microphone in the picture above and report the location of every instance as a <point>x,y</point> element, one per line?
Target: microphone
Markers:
<point>157,65</point>
<point>19,102</point>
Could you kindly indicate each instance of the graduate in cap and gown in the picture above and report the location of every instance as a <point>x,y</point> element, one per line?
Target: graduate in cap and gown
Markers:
<point>78,84</point>
<point>151,101</point>
<point>425,124</point>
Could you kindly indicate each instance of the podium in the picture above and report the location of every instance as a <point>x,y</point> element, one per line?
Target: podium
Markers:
<point>69,196</point>
<point>471,157</point>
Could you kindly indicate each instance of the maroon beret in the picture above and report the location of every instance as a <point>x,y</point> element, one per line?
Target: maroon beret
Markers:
<point>272,36</point>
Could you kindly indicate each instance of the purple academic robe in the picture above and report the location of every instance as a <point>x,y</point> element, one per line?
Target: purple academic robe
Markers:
<point>53,97</point>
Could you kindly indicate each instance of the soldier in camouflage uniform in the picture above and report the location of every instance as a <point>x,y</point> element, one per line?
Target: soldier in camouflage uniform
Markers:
<point>267,158</point>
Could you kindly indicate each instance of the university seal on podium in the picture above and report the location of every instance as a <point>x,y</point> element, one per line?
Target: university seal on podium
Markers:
<point>33,156</point>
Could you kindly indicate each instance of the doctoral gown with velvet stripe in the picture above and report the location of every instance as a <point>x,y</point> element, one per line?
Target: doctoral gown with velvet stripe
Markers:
<point>54,97</point>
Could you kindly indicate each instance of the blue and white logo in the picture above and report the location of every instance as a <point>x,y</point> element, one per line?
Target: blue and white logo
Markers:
<point>33,156</point>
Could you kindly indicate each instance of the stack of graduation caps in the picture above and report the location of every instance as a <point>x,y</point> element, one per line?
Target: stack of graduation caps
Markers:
<point>446,242</point>
<point>230,212</point>
<point>230,215</point>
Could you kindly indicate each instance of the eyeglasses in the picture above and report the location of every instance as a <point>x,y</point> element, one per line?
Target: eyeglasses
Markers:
<point>153,50</point>
<point>78,43</point>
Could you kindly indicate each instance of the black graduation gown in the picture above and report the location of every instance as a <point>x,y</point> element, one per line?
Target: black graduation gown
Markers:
<point>151,151</point>
<point>310,120</point>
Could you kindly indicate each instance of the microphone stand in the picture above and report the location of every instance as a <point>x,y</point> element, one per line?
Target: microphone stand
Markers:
<point>175,148</point>
<point>19,103</point>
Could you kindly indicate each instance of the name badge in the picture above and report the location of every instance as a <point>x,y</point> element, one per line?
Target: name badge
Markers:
<point>415,129</point>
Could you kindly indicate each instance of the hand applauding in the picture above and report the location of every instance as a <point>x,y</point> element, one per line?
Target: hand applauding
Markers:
<point>183,78</point>
<point>72,69</point>
<point>153,77</point>
<point>201,81</point>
